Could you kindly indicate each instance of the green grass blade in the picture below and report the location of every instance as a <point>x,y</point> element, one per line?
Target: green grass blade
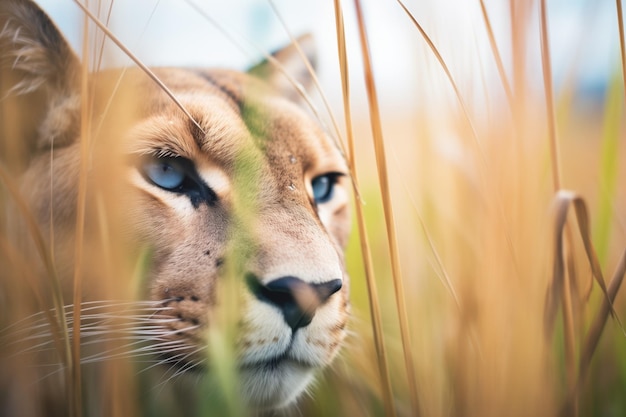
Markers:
<point>609,167</point>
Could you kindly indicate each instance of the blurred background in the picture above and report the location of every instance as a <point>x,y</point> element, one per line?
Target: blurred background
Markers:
<point>471,182</point>
<point>167,32</point>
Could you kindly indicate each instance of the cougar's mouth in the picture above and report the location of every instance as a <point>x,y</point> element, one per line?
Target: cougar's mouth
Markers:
<point>275,363</point>
<point>275,382</point>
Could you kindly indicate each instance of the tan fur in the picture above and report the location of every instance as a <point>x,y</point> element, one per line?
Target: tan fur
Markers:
<point>257,150</point>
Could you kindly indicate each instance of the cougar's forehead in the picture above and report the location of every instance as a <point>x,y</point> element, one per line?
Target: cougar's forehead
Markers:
<point>237,120</point>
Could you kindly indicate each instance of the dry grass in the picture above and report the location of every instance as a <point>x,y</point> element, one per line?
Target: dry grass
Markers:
<point>475,293</point>
<point>490,211</point>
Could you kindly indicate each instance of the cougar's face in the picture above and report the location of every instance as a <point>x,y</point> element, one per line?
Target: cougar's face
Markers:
<point>225,179</point>
<point>251,189</point>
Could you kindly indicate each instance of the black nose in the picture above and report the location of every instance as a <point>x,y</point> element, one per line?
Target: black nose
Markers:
<point>297,299</point>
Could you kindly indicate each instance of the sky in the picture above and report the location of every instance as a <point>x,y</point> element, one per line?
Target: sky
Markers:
<point>583,39</point>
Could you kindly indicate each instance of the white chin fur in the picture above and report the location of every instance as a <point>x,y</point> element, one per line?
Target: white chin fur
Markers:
<point>276,386</point>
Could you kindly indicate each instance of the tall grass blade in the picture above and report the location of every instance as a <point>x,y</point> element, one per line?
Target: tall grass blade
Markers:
<point>138,62</point>
<point>622,42</point>
<point>561,278</point>
<point>560,291</point>
<point>59,323</point>
<point>81,202</point>
<point>374,302</point>
<point>381,163</point>
<point>21,267</point>
<point>546,67</point>
<point>466,114</point>
<point>439,268</point>
<point>446,70</point>
<point>316,82</point>
<point>583,224</point>
<point>274,62</point>
<point>594,334</point>
<point>595,331</point>
<point>496,54</point>
<point>114,91</point>
<point>564,200</point>
<point>98,60</point>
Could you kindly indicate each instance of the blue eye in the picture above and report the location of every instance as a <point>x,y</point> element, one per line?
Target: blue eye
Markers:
<point>165,172</point>
<point>178,175</point>
<point>324,187</point>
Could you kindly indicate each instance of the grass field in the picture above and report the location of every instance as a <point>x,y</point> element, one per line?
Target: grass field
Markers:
<point>495,216</point>
<point>478,187</point>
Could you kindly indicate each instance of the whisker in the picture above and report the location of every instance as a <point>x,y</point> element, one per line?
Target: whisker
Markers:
<point>140,329</point>
<point>177,369</point>
<point>41,316</point>
<point>93,305</point>
<point>35,348</point>
<point>128,354</point>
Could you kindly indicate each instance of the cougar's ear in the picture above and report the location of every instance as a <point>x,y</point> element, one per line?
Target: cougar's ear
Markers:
<point>39,84</point>
<point>291,62</point>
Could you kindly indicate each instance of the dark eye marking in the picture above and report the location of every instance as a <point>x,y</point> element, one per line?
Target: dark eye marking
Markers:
<point>324,187</point>
<point>177,175</point>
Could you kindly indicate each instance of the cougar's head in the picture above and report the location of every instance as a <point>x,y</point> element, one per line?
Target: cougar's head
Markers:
<point>226,178</point>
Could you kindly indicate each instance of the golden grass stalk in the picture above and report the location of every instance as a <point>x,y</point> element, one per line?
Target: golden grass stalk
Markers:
<point>23,268</point>
<point>316,82</point>
<point>593,337</point>
<point>446,70</point>
<point>496,54</point>
<point>595,331</point>
<point>546,67</point>
<point>440,269</point>
<point>381,163</point>
<point>98,58</point>
<point>17,259</point>
<point>561,292</point>
<point>58,324</point>
<point>35,234</point>
<point>564,279</point>
<point>462,103</point>
<point>373,299</point>
<point>276,64</point>
<point>564,200</point>
<point>622,46</point>
<point>81,200</point>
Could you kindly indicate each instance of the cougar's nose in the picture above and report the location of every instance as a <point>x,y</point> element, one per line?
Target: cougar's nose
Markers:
<point>297,299</point>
